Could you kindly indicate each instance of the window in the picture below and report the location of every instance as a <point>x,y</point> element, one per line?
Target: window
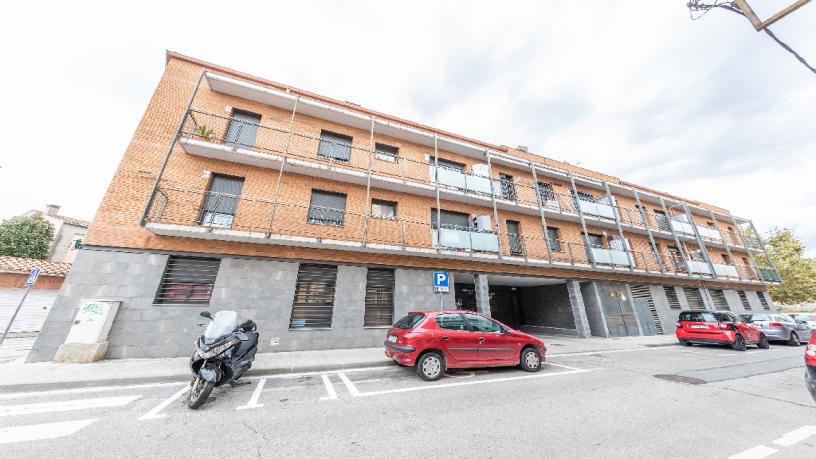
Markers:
<point>546,193</point>
<point>695,300</point>
<point>595,240</point>
<point>221,200</point>
<point>553,241</point>
<point>314,297</point>
<point>447,164</point>
<point>744,300</point>
<point>243,128</point>
<point>764,301</point>
<point>383,209</point>
<point>514,238</point>
<point>386,152</point>
<point>508,187</point>
<point>725,259</point>
<point>671,295</point>
<point>76,242</point>
<point>616,243</point>
<point>451,220</point>
<point>662,220</point>
<point>693,316</point>
<point>718,298</point>
<point>409,322</point>
<point>451,322</point>
<point>482,325</point>
<point>334,146</point>
<point>676,258</point>
<point>379,300</point>
<point>187,280</point>
<point>327,208</point>
<point>584,196</point>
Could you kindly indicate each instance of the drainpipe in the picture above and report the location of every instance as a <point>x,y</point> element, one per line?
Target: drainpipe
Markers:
<point>170,149</point>
<point>438,205</point>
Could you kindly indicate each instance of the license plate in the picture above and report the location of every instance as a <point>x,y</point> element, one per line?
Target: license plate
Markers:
<point>392,339</point>
<point>697,326</point>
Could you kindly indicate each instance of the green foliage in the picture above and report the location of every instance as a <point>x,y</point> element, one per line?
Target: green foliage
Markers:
<point>798,273</point>
<point>204,131</point>
<point>27,237</point>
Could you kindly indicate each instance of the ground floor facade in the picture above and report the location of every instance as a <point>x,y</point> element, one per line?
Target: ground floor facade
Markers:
<point>308,305</point>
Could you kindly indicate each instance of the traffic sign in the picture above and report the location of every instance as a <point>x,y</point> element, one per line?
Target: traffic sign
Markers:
<point>441,281</point>
<point>32,277</point>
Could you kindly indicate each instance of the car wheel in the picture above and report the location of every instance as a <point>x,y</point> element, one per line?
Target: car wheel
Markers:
<point>685,342</point>
<point>431,366</point>
<point>763,342</point>
<point>739,344</point>
<point>530,359</point>
<point>794,340</point>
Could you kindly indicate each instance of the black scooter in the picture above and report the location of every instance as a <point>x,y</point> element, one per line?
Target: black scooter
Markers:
<point>220,360</point>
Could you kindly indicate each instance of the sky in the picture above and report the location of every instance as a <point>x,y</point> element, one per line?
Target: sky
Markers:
<point>708,110</point>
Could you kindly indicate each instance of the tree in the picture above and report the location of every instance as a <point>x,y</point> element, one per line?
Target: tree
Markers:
<point>27,237</point>
<point>798,273</point>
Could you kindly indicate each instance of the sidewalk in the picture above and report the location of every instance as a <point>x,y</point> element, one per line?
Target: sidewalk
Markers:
<point>17,376</point>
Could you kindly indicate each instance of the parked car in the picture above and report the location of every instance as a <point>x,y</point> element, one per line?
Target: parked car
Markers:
<point>722,327</point>
<point>778,327</point>
<point>433,341</point>
<point>810,368</point>
<point>809,319</point>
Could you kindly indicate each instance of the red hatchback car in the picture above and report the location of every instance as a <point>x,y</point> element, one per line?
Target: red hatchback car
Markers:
<point>810,370</point>
<point>433,341</point>
<point>721,327</point>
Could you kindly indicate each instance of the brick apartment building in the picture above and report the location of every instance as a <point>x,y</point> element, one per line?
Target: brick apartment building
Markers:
<point>323,221</point>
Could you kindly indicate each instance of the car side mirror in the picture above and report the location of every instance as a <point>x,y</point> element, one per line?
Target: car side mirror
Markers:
<point>206,314</point>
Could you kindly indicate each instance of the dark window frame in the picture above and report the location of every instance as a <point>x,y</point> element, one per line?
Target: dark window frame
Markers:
<point>383,202</point>
<point>315,290</point>
<point>328,148</point>
<point>312,216</point>
<point>385,152</point>
<point>187,281</point>
<point>379,299</point>
<point>554,244</point>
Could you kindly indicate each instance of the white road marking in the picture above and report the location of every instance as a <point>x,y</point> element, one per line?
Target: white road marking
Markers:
<point>469,383</point>
<point>332,394</point>
<point>68,405</point>
<point>42,431</point>
<point>84,390</point>
<point>349,385</point>
<point>253,401</point>
<point>757,452</point>
<point>562,366</point>
<point>155,413</point>
<point>794,437</point>
<point>570,354</point>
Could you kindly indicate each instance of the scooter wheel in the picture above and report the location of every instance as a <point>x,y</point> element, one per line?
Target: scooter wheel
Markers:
<point>199,392</point>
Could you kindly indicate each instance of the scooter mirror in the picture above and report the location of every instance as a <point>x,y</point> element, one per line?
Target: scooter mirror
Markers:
<point>206,314</point>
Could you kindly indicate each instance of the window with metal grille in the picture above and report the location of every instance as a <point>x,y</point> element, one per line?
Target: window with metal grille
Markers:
<point>642,291</point>
<point>764,301</point>
<point>386,152</point>
<point>314,297</point>
<point>334,146</point>
<point>379,300</point>
<point>671,295</point>
<point>221,200</point>
<point>718,298</point>
<point>187,280</point>
<point>552,239</point>
<point>327,208</point>
<point>508,187</point>
<point>744,300</point>
<point>695,300</point>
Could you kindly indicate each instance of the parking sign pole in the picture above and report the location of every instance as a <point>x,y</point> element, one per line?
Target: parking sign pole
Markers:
<point>11,321</point>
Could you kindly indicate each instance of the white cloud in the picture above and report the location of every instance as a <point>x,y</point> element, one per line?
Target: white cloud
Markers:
<point>707,109</point>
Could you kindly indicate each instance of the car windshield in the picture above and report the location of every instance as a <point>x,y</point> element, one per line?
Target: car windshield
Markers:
<point>697,316</point>
<point>409,322</point>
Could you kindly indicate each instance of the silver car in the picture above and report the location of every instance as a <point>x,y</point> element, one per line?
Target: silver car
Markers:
<point>809,319</point>
<point>778,327</point>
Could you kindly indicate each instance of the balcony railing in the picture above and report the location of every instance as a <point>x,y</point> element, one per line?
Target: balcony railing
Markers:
<point>197,213</point>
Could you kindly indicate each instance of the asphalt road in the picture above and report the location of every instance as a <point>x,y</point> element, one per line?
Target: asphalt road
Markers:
<point>671,401</point>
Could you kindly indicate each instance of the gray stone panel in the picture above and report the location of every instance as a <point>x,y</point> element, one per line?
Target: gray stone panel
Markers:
<point>668,316</point>
<point>594,310</point>
<point>733,301</point>
<point>482,287</point>
<point>547,306</point>
<point>578,309</point>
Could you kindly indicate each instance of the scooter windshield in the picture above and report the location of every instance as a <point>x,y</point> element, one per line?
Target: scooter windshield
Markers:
<point>222,324</point>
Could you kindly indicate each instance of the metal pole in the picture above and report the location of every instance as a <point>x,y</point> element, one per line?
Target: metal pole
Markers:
<point>283,165</point>
<point>624,241</point>
<point>14,316</point>
<point>762,245</point>
<point>683,254</point>
<point>493,200</point>
<point>575,199</point>
<point>643,217</point>
<point>540,211</point>
<point>367,211</point>
<point>438,205</point>
<point>700,242</point>
<point>170,149</point>
<point>725,243</point>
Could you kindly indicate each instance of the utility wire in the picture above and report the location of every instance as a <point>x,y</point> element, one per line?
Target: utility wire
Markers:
<point>695,7</point>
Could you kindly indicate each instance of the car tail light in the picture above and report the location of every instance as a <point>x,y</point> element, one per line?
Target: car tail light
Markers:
<point>724,326</point>
<point>775,324</point>
<point>811,350</point>
<point>679,324</point>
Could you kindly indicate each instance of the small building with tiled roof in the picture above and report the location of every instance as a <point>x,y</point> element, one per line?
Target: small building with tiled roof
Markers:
<point>68,233</point>
<point>13,274</point>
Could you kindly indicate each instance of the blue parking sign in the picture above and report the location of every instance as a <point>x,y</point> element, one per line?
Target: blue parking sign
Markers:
<point>32,277</point>
<point>441,281</point>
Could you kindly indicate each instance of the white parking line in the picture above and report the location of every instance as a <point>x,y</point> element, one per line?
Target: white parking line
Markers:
<point>332,394</point>
<point>253,401</point>
<point>155,413</point>
<point>42,431</point>
<point>349,385</point>
<point>84,390</point>
<point>613,351</point>
<point>68,405</point>
<point>794,437</point>
<point>757,452</point>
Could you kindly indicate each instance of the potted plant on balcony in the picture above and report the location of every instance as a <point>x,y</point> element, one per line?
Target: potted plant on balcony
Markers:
<point>204,132</point>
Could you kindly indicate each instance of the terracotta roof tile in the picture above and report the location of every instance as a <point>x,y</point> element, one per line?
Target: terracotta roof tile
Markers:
<point>72,221</point>
<point>25,265</point>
